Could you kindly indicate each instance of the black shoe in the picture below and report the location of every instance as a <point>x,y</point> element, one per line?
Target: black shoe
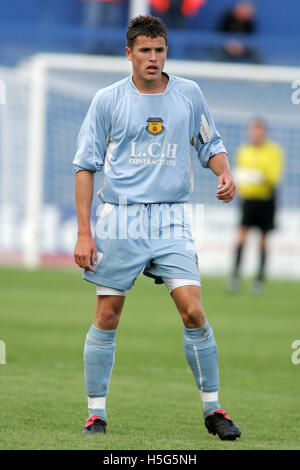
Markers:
<point>94,425</point>
<point>219,423</point>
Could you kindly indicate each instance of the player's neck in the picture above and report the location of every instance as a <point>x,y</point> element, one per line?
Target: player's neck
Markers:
<point>259,143</point>
<point>150,87</point>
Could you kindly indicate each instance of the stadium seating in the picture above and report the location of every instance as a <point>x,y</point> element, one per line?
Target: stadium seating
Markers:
<point>55,26</point>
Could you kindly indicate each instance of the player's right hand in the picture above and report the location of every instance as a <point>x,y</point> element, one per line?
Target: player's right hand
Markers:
<point>85,253</point>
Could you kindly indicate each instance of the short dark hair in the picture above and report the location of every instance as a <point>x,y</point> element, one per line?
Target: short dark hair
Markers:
<point>257,121</point>
<point>150,26</point>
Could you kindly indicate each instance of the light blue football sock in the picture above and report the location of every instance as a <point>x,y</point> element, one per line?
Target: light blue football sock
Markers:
<point>98,356</point>
<point>201,353</point>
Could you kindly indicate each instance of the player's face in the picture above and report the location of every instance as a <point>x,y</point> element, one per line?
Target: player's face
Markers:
<point>257,134</point>
<point>148,57</point>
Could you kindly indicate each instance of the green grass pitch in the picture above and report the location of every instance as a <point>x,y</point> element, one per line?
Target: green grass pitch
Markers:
<point>153,402</point>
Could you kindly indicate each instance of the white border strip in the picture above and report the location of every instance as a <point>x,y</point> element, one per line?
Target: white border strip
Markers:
<point>180,67</point>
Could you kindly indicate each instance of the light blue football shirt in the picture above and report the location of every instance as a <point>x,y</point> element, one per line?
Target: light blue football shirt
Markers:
<point>143,142</point>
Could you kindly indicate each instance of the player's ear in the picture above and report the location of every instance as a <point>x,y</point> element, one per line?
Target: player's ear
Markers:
<point>128,53</point>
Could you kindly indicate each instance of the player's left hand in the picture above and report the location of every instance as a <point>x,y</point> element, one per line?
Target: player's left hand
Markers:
<point>226,188</point>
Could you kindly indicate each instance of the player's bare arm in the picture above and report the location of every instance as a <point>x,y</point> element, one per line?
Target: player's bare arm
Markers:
<point>85,248</point>
<point>220,166</point>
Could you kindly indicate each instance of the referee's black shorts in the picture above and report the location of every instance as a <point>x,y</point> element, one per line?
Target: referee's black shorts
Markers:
<point>258,213</point>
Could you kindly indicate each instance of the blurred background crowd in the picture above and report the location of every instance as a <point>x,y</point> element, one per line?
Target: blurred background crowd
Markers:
<point>258,32</point>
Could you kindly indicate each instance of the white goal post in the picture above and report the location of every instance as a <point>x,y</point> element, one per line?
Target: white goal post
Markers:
<point>60,88</point>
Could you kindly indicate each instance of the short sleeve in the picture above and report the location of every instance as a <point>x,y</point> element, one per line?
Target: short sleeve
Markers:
<point>206,139</point>
<point>92,139</point>
<point>275,167</point>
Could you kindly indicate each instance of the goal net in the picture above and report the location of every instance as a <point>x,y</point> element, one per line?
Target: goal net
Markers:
<point>47,98</point>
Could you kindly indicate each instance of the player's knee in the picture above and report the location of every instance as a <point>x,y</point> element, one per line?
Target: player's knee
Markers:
<point>193,316</point>
<point>107,319</point>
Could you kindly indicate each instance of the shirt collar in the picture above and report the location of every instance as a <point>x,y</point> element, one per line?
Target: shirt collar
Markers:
<point>167,89</point>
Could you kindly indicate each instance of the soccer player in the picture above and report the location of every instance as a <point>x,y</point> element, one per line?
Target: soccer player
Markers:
<point>258,172</point>
<point>139,132</point>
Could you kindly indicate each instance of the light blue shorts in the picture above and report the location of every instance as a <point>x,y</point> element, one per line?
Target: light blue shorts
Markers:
<point>153,238</point>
